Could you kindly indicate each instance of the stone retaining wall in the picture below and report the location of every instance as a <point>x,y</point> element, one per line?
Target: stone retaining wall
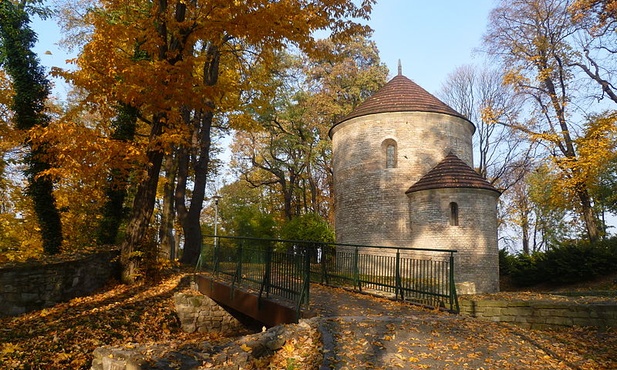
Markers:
<point>31,286</point>
<point>542,314</point>
<point>199,313</point>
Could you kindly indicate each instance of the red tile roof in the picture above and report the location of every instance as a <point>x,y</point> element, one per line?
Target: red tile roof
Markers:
<point>401,94</point>
<point>451,172</point>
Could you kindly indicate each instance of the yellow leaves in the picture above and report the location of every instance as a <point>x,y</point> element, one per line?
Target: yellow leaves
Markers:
<point>289,347</point>
<point>19,241</point>
<point>411,359</point>
<point>67,334</point>
<point>245,348</point>
<point>9,348</point>
<point>513,77</point>
<point>490,115</point>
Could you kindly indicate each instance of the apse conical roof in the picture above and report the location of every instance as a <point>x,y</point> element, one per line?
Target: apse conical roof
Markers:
<point>400,94</point>
<point>451,172</point>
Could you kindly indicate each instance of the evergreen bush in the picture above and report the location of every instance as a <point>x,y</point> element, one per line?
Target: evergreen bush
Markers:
<point>565,263</point>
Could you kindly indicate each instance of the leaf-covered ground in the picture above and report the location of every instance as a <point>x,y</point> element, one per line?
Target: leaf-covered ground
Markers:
<point>365,332</point>
<point>357,332</point>
<point>437,343</point>
<point>65,335</point>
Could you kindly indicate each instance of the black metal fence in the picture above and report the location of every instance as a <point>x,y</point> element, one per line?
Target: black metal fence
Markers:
<point>284,269</point>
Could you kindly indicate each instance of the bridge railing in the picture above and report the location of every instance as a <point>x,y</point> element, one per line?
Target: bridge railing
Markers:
<point>284,269</point>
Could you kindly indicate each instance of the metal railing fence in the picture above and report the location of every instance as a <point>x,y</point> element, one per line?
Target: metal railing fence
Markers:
<point>284,269</point>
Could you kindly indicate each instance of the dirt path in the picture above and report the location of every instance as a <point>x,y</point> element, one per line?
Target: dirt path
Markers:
<point>364,332</point>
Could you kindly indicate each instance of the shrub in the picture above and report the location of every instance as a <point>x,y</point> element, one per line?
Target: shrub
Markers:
<point>565,263</point>
<point>527,269</point>
<point>506,262</point>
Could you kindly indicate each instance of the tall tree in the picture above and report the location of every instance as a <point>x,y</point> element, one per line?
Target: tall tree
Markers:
<point>124,127</point>
<point>196,54</point>
<point>291,152</point>
<point>532,39</point>
<point>31,89</point>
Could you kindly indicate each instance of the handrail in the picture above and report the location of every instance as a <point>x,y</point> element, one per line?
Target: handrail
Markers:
<point>285,268</point>
<point>330,243</point>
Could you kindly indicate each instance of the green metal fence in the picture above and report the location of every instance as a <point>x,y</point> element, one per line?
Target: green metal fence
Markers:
<point>284,269</point>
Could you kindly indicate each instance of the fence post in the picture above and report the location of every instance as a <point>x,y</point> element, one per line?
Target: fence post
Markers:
<point>324,261</point>
<point>398,289</point>
<point>356,272</point>
<point>238,275</point>
<point>265,282</point>
<point>307,272</point>
<point>217,256</point>
<point>453,295</point>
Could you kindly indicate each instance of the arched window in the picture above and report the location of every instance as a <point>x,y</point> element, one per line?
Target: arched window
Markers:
<point>453,214</point>
<point>390,151</point>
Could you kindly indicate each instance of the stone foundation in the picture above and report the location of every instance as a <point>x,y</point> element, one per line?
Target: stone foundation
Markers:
<point>241,353</point>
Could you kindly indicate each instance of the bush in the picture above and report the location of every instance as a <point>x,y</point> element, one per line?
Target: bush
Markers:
<point>506,262</point>
<point>570,263</point>
<point>527,269</point>
<point>566,263</point>
<point>573,262</point>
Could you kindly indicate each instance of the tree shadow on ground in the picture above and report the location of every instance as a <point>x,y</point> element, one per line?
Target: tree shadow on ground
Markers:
<point>65,335</point>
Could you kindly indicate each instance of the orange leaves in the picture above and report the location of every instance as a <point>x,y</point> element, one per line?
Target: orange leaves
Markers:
<point>412,338</point>
<point>65,335</point>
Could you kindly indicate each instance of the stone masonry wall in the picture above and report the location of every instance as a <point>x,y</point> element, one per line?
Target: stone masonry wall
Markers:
<point>475,237</point>
<point>31,286</point>
<point>542,315</point>
<point>371,206</point>
<point>199,313</point>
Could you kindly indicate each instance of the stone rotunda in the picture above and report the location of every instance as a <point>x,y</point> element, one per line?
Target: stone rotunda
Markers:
<point>403,176</point>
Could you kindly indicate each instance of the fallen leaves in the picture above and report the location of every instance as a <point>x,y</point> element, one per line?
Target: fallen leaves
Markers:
<point>401,336</point>
<point>64,336</point>
<point>370,333</point>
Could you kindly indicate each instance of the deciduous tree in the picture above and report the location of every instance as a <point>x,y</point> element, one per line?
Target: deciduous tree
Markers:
<point>596,24</point>
<point>532,38</point>
<point>502,152</point>
<point>291,152</point>
<point>196,53</point>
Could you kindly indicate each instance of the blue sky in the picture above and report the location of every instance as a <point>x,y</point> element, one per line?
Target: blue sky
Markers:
<point>431,38</point>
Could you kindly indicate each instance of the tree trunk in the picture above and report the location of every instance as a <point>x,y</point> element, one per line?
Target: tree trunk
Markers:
<point>136,250</point>
<point>192,224</point>
<point>525,231</point>
<point>28,103</point>
<point>166,230</point>
<point>40,189</point>
<point>589,216</point>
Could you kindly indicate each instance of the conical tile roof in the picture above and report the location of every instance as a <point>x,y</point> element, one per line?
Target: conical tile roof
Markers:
<point>400,94</point>
<point>451,172</point>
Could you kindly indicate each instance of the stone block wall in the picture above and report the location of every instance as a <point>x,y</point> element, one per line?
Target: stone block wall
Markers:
<point>474,238</point>
<point>31,286</point>
<point>199,313</point>
<point>542,314</point>
<point>370,198</point>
